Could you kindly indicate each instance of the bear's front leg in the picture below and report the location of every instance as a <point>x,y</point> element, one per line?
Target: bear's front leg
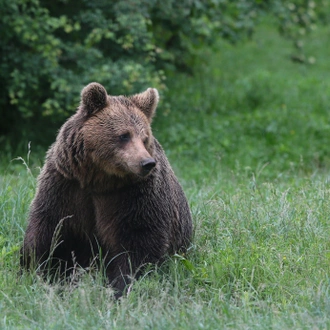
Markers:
<point>121,270</point>
<point>128,238</point>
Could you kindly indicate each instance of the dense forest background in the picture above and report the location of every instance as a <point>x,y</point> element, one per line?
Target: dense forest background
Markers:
<point>51,49</point>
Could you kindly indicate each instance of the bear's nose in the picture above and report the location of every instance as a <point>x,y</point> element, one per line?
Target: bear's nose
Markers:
<point>148,164</point>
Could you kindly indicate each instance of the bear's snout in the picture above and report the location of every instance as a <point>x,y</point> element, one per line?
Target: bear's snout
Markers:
<point>147,165</point>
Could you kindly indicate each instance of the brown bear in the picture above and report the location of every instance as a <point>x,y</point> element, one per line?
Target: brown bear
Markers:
<point>106,192</point>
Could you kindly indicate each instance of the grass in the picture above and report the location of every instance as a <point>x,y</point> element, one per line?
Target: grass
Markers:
<point>248,138</point>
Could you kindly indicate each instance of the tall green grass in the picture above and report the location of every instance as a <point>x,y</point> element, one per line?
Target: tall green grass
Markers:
<point>248,137</point>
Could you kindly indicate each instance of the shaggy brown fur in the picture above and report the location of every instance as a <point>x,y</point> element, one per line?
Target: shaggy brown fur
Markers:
<point>107,186</point>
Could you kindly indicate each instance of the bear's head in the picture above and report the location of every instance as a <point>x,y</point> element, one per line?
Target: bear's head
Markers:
<point>116,131</point>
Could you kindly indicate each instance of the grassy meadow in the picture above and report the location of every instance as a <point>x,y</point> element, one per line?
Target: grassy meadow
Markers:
<point>248,137</point>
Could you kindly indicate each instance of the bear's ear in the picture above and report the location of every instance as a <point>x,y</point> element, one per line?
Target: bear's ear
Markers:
<point>147,102</point>
<point>94,97</point>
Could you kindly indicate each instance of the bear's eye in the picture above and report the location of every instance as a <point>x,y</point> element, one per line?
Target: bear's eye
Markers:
<point>125,137</point>
<point>145,141</point>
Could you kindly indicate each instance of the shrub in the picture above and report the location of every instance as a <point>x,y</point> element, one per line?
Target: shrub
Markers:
<point>51,49</point>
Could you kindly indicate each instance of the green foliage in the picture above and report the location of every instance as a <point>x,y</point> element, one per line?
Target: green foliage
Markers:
<point>51,49</point>
<point>296,19</point>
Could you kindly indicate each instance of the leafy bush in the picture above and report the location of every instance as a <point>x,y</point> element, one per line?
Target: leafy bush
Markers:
<point>51,49</point>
